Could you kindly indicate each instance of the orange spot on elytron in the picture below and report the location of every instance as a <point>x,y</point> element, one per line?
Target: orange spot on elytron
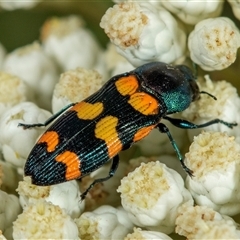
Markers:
<point>143,132</point>
<point>51,139</point>
<point>106,130</point>
<point>127,85</point>
<point>72,162</point>
<point>144,103</point>
<point>88,111</point>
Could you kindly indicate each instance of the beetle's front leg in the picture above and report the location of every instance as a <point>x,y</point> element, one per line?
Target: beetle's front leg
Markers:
<point>181,123</point>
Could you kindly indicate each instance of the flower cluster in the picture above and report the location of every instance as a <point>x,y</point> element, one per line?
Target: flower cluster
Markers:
<point>150,196</point>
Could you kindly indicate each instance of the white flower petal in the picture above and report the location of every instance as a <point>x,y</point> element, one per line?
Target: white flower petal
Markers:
<point>144,33</point>
<point>213,43</point>
<point>151,195</point>
<point>214,159</point>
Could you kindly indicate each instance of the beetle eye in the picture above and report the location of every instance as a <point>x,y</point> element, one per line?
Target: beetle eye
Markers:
<point>195,90</point>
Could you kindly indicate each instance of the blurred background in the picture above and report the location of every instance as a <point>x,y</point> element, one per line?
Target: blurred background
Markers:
<point>21,27</point>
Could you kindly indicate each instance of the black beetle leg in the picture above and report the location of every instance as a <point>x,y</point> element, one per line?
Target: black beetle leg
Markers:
<point>164,129</point>
<point>51,119</point>
<point>115,162</point>
<point>181,123</point>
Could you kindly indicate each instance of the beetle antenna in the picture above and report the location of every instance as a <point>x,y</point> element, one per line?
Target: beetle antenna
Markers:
<point>209,95</point>
<point>195,68</point>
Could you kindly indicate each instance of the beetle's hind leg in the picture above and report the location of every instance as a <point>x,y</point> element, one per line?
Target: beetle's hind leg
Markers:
<point>115,162</point>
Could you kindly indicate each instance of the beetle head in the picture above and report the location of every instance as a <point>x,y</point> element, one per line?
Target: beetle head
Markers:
<point>175,86</point>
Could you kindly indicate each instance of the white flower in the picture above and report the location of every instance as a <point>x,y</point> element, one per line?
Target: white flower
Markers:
<point>9,210</point>
<point>214,159</point>
<point>235,4</point>
<point>13,90</point>
<point>226,107</point>
<point>44,220</point>
<point>70,44</point>
<point>192,11</point>
<point>17,142</point>
<point>65,195</point>
<point>201,222</point>
<point>144,33</point>
<point>37,69</point>
<point>151,195</point>
<point>213,43</point>
<point>146,235</point>
<point>170,161</point>
<point>12,5</point>
<point>75,86</point>
<point>104,222</point>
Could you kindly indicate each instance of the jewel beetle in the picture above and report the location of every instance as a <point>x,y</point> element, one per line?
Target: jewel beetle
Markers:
<point>87,134</point>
